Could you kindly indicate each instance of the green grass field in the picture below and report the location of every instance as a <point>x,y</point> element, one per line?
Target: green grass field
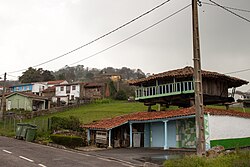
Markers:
<point>97,111</point>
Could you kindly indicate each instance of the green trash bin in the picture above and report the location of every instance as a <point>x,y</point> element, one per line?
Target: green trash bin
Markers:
<point>24,131</point>
<point>31,134</point>
<point>19,130</point>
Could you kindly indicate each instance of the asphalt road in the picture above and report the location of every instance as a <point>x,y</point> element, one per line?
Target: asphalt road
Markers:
<point>17,153</point>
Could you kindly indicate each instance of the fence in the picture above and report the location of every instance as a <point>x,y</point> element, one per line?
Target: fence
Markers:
<point>9,124</point>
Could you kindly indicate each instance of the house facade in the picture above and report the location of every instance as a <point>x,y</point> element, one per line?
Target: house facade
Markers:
<point>80,90</point>
<point>176,87</point>
<point>35,88</point>
<point>171,129</point>
<point>26,101</point>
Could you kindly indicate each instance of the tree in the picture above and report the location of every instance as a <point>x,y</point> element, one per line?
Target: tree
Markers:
<point>36,75</point>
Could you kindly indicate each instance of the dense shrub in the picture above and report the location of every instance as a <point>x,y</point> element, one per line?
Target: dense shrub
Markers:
<point>67,141</point>
<point>121,95</point>
<point>71,123</point>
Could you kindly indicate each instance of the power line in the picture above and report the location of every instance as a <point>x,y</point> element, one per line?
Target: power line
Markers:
<point>239,71</point>
<point>230,11</point>
<point>110,32</point>
<point>241,10</point>
<point>132,36</point>
<point>12,75</point>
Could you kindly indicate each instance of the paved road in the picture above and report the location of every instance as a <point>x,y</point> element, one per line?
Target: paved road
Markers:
<point>16,153</point>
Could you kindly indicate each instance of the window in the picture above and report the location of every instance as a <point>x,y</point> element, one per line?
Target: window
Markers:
<point>27,88</point>
<point>61,88</point>
<point>72,97</point>
<point>73,87</point>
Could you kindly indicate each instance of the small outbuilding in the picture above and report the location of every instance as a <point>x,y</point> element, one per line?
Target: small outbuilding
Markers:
<point>26,101</point>
<point>171,129</point>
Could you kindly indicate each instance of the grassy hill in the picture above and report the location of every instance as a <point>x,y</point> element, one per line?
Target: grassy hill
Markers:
<point>97,111</point>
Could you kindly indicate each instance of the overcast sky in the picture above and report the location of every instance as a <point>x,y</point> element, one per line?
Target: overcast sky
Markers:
<point>34,31</point>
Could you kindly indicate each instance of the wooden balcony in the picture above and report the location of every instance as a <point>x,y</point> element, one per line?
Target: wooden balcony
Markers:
<point>164,90</point>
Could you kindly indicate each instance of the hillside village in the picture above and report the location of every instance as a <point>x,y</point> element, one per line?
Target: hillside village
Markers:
<point>152,128</point>
<point>189,109</point>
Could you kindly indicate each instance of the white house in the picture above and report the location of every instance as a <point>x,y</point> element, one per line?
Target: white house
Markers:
<point>66,92</point>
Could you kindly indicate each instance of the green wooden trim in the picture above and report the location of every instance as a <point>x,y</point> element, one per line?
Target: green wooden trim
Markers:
<point>169,89</point>
<point>165,94</point>
<point>231,143</point>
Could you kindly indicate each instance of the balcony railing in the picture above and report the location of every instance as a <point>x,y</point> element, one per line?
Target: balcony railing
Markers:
<point>164,90</point>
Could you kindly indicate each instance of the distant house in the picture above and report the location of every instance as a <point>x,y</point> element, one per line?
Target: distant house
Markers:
<point>49,92</point>
<point>26,101</point>
<point>79,90</point>
<point>176,87</point>
<point>35,88</point>
<point>171,129</point>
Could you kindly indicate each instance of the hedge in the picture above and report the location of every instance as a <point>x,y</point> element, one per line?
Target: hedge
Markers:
<point>67,141</point>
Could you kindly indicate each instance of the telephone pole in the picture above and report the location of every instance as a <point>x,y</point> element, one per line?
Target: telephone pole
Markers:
<point>199,113</point>
<point>3,98</point>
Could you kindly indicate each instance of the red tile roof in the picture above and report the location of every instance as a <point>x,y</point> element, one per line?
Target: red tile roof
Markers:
<point>188,72</point>
<point>55,82</point>
<point>146,116</point>
<point>27,94</point>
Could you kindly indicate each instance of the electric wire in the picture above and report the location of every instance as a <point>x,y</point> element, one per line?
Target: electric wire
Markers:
<point>239,71</point>
<point>241,10</point>
<point>230,11</point>
<point>97,39</point>
<point>132,36</point>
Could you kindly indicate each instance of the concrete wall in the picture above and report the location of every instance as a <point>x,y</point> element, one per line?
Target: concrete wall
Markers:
<point>157,129</point>
<point>171,133</point>
<point>38,87</point>
<point>226,127</point>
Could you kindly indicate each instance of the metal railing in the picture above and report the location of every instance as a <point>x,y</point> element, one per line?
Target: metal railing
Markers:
<point>164,90</point>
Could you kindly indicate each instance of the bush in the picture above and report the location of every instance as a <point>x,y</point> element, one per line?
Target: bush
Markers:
<point>71,123</point>
<point>121,95</point>
<point>67,141</point>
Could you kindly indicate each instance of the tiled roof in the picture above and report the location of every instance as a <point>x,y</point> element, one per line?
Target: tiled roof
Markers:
<point>27,94</point>
<point>146,116</point>
<point>55,82</point>
<point>188,72</point>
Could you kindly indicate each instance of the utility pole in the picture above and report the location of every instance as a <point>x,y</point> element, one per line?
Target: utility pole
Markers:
<point>199,113</point>
<point>3,98</point>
